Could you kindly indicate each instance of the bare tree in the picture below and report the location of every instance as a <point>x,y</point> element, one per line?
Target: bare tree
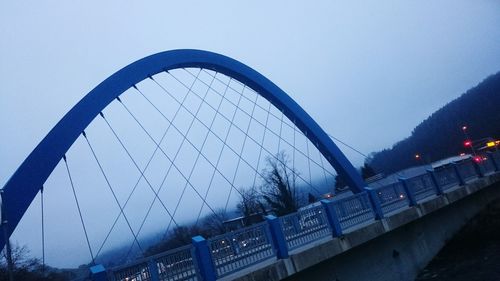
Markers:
<point>250,202</point>
<point>279,190</point>
<point>213,224</point>
<point>27,268</point>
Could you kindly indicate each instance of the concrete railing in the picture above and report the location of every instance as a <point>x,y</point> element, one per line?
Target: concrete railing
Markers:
<point>273,239</point>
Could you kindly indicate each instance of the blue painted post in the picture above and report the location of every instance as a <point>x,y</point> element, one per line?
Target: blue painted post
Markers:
<point>409,192</point>
<point>332,217</point>
<point>493,161</point>
<point>204,258</point>
<point>377,208</point>
<point>478,169</point>
<point>153,270</point>
<point>277,236</point>
<point>98,273</point>
<point>457,172</point>
<point>435,182</point>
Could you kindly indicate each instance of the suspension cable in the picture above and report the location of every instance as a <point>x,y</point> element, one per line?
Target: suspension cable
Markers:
<point>273,115</point>
<point>79,210</point>
<point>222,149</point>
<point>256,142</point>
<point>324,173</point>
<point>145,168</point>
<point>256,120</point>
<point>197,156</point>
<point>308,160</point>
<point>261,147</point>
<point>242,148</point>
<point>43,231</point>
<point>112,190</point>
<point>133,160</point>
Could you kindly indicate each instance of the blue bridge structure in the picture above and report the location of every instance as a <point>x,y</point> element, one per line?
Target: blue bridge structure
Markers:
<point>234,159</point>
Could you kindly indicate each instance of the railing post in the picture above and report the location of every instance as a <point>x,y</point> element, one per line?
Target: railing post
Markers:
<point>98,273</point>
<point>278,237</point>
<point>477,168</point>
<point>493,161</point>
<point>332,217</point>
<point>153,270</point>
<point>457,172</point>
<point>377,208</point>
<point>435,182</point>
<point>409,193</point>
<point>204,258</point>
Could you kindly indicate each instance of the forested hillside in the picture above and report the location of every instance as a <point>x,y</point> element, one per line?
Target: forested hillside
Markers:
<point>440,135</point>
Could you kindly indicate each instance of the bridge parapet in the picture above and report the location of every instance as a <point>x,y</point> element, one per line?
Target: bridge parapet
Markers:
<point>319,233</point>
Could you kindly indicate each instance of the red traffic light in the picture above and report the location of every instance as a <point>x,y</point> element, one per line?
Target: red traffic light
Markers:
<point>467,143</point>
<point>477,159</point>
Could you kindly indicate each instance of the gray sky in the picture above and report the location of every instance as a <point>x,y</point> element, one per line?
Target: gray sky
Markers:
<point>368,72</point>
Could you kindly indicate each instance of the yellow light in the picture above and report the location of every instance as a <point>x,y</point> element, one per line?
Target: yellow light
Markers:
<point>490,144</point>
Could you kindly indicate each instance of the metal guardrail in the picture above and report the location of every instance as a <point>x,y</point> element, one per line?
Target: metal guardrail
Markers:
<point>176,264</point>
<point>354,210</point>
<point>487,165</point>
<point>467,170</point>
<point>392,197</point>
<point>138,271</point>
<point>446,177</point>
<point>239,249</point>
<point>496,157</point>
<point>421,186</point>
<point>305,226</point>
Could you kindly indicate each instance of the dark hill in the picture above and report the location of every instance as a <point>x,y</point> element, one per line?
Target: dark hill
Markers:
<point>440,135</point>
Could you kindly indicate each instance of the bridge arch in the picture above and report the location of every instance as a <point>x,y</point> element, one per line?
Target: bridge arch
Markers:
<point>26,182</point>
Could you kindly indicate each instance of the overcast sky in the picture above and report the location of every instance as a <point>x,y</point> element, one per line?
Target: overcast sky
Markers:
<point>367,71</point>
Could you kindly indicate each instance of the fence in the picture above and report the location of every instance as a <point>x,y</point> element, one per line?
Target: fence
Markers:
<point>233,251</point>
<point>177,264</point>
<point>467,170</point>
<point>446,177</point>
<point>239,249</point>
<point>496,157</point>
<point>421,186</point>
<point>488,165</point>
<point>354,210</point>
<point>391,197</point>
<point>305,226</point>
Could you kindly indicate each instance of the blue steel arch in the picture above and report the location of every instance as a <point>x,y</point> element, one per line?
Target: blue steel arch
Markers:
<point>25,183</point>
